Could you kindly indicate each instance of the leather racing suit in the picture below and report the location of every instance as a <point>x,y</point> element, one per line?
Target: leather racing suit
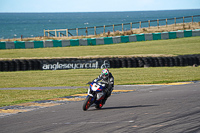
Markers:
<point>109,83</point>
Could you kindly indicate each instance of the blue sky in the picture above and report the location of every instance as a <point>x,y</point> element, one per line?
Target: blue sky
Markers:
<point>94,5</point>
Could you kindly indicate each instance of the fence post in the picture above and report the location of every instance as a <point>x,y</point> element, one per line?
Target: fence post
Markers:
<point>77,31</point>
<point>44,33</point>
<point>67,33</point>
<point>183,22</point>
<point>58,34</point>
<point>48,33</point>
<point>175,21</point>
<point>158,23</point>
<point>149,23</point>
<point>122,27</point>
<point>192,19</point>
<point>140,25</point>
<point>55,33</point>
<point>95,30</point>
<point>86,31</point>
<point>113,28</point>
<point>104,29</point>
<point>131,25</point>
<point>166,22</point>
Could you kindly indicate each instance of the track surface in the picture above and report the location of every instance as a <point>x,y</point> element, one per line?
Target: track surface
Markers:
<point>148,109</point>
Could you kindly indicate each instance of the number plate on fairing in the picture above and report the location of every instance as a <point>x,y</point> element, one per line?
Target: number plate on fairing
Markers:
<point>95,87</point>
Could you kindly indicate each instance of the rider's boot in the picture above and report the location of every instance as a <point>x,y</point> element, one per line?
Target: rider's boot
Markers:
<point>108,93</point>
<point>104,100</point>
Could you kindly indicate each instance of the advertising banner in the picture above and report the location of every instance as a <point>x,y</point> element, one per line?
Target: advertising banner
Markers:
<point>74,64</point>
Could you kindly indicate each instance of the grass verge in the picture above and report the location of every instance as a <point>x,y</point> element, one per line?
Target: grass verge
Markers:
<point>80,77</point>
<point>179,46</point>
<point>11,97</point>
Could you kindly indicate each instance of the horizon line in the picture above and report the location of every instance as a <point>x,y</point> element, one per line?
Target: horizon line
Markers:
<point>103,11</point>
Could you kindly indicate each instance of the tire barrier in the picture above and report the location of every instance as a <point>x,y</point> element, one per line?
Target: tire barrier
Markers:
<point>75,63</point>
<point>182,60</point>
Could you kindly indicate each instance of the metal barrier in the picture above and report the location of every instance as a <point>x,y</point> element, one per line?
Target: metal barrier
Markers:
<point>131,25</point>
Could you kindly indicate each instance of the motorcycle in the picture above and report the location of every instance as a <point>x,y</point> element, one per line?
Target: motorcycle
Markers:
<point>95,95</point>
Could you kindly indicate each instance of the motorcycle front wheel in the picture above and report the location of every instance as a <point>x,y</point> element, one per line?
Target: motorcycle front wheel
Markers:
<point>87,103</point>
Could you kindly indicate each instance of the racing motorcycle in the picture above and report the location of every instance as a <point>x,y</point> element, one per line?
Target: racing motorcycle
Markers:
<point>95,95</point>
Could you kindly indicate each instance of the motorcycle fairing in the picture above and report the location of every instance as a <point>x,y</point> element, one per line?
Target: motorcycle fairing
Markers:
<point>96,87</point>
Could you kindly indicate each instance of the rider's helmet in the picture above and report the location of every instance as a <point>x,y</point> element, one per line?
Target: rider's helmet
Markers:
<point>105,73</point>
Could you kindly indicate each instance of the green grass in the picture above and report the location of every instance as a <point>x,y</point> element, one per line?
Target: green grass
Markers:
<point>11,97</point>
<point>79,77</point>
<point>180,46</point>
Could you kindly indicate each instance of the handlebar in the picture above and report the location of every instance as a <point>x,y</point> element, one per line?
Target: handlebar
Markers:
<point>103,82</point>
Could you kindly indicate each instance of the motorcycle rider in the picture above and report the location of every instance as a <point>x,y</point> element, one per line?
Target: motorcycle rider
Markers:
<point>106,78</point>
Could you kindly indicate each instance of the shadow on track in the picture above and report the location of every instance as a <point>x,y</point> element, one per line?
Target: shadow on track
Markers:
<point>124,107</point>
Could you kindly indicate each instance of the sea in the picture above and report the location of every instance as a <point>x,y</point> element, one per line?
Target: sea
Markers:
<point>16,25</point>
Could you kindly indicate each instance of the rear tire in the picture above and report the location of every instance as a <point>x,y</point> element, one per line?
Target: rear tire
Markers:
<point>87,103</point>
<point>98,106</point>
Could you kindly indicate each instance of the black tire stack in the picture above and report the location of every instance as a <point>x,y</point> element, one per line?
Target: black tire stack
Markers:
<point>183,60</point>
<point>128,62</point>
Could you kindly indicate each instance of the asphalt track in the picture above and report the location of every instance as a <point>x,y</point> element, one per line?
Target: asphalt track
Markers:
<point>145,109</point>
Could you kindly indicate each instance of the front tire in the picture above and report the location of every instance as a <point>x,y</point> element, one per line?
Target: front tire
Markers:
<point>87,103</point>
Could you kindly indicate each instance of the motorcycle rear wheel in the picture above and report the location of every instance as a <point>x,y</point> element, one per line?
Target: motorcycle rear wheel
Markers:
<point>87,103</point>
<point>98,106</point>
